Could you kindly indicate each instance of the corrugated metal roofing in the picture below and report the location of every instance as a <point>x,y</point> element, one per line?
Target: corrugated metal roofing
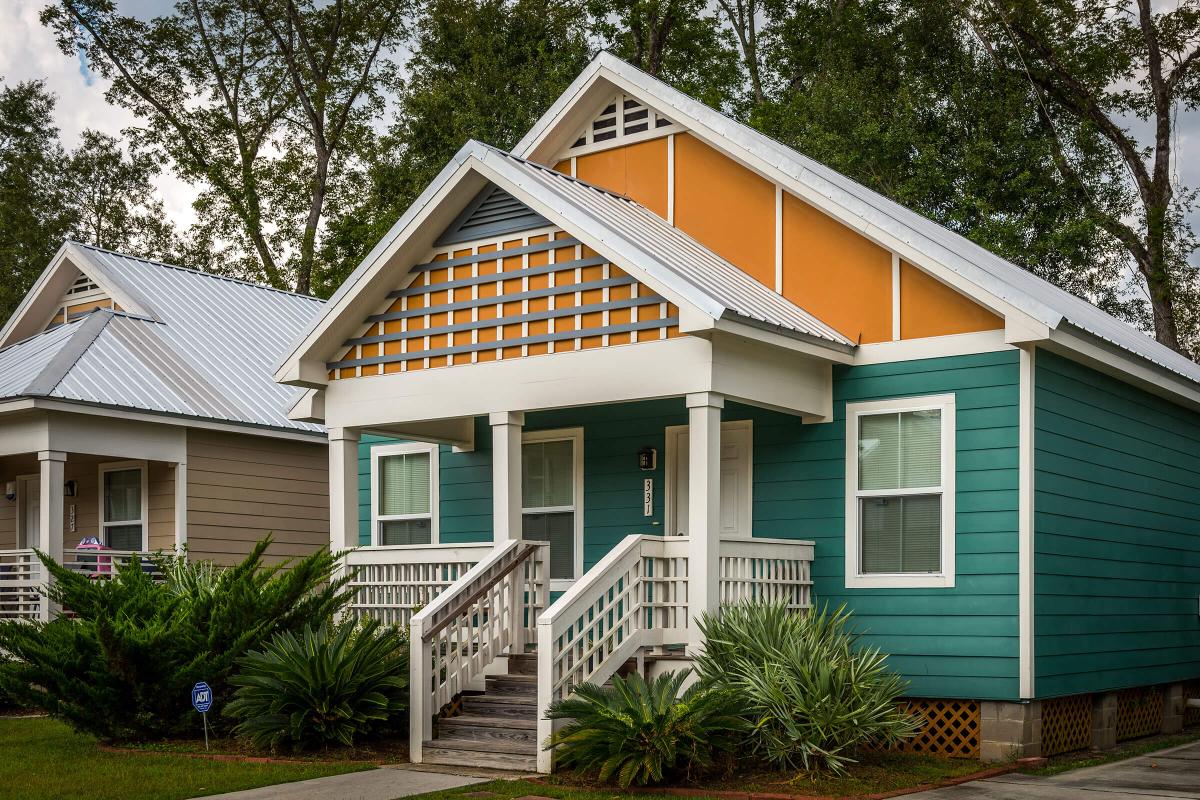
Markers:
<point>205,348</point>
<point>650,242</point>
<point>1033,295</point>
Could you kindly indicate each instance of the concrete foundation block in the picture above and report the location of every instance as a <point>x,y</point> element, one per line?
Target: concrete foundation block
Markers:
<point>1104,721</point>
<point>1010,731</point>
<point>1174,708</point>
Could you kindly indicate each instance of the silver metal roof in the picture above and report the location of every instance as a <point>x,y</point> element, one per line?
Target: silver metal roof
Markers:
<point>202,346</point>
<point>1034,296</point>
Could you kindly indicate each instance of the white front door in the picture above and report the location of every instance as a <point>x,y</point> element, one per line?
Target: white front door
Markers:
<point>737,446</point>
<point>31,513</point>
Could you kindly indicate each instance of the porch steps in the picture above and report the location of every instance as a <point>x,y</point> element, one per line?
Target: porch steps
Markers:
<point>497,729</point>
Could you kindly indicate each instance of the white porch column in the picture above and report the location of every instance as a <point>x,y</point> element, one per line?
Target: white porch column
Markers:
<point>704,506</point>
<point>343,488</point>
<point>181,496</point>
<point>506,474</point>
<point>51,472</point>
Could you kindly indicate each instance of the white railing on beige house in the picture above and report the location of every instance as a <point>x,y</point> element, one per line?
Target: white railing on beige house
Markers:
<point>487,614</point>
<point>391,584</point>
<point>22,576</point>
<point>766,570</point>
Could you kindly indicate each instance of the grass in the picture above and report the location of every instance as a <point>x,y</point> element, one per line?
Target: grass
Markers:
<point>1137,747</point>
<point>875,773</point>
<point>45,759</point>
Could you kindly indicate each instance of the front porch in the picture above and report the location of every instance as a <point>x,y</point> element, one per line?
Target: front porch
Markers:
<point>91,496</point>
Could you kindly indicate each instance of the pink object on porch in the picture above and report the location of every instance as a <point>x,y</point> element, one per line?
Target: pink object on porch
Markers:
<point>103,563</point>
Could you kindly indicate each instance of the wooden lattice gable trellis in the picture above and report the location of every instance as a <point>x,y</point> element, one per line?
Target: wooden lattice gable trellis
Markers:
<point>511,294</point>
<point>623,120</point>
<point>82,297</point>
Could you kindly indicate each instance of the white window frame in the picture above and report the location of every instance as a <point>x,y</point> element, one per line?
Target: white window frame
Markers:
<point>575,436</point>
<point>944,578</point>
<point>102,525</point>
<point>383,451</point>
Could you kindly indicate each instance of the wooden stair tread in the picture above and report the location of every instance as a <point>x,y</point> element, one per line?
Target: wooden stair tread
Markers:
<point>488,746</point>
<point>505,699</point>
<point>491,722</point>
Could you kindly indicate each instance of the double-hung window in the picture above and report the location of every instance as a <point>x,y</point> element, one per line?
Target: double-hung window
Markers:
<point>900,492</point>
<point>123,505</point>
<point>404,494</point>
<point>551,493</point>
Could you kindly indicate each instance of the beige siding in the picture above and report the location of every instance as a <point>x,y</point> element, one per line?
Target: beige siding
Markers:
<point>162,506</point>
<point>241,488</point>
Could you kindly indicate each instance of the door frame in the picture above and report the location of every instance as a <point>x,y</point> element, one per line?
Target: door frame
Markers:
<point>22,540</point>
<point>575,436</point>
<point>672,464</point>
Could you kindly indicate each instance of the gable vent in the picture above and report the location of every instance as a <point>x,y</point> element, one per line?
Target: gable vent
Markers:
<point>623,117</point>
<point>492,212</point>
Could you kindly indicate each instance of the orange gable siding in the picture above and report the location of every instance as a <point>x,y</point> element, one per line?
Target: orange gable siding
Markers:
<point>725,206</point>
<point>929,307</point>
<point>612,304</point>
<point>637,170</point>
<point>837,275</point>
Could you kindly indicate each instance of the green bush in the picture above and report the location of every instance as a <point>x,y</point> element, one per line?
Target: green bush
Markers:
<point>123,667</point>
<point>328,685</point>
<point>812,694</point>
<point>640,733</point>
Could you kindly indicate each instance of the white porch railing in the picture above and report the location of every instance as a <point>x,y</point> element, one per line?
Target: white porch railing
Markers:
<point>20,582</point>
<point>488,613</point>
<point>767,570</point>
<point>391,584</point>
<point>22,577</point>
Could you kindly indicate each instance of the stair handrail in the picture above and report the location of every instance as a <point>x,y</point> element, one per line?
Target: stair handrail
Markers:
<point>485,614</point>
<point>635,597</point>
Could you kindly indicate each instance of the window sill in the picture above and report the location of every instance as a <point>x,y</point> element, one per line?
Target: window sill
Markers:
<point>901,581</point>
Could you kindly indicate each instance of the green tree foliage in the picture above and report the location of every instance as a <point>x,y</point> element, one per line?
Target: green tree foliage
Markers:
<point>35,213</point>
<point>902,98</point>
<point>264,103</point>
<point>1093,68</point>
<point>480,69</point>
<point>327,685</point>
<point>812,693</point>
<point>638,733</point>
<point>122,666</point>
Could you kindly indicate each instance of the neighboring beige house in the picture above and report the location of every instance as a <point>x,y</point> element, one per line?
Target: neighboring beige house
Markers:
<point>137,408</point>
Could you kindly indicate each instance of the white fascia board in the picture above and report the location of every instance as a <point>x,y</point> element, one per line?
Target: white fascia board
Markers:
<point>807,345</point>
<point>13,329</point>
<point>597,234</point>
<point>1115,361</point>
<point>304,363</point>
<point>310,407</point>
<point>777,164</point>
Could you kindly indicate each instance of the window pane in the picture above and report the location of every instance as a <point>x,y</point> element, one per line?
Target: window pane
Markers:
<point>404,484</point>
<point>123,495</point>
<point>901,534</point>
<point>405,531</point>
<point>559,530</point>
<point>547,474</point>
<point>920,449</point>
<point>879,451</point>
<point>124,537</point>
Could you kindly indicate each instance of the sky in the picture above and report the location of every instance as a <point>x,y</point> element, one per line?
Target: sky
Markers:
<point>28,51</point>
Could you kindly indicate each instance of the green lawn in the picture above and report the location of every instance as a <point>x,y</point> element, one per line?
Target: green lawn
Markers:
<point>42,759</point>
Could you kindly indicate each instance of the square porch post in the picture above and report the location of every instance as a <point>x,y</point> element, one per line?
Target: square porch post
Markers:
<point>506,474</point>
<point>343,488</point>
<point>51,471</point>
<point>704,508</point>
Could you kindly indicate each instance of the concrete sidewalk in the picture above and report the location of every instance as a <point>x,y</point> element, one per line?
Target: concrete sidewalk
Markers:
<point>1166,775</point>
<point>375,784</point>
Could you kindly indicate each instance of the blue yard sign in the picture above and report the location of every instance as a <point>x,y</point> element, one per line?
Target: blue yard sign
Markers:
<point>202,697</point>
<point>202,700</point>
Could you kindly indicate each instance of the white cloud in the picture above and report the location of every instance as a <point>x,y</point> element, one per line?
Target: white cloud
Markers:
<point>28,52</point>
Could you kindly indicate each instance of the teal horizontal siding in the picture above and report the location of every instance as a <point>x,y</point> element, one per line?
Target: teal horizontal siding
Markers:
<point>1117,533</point>
<point>959,642</point>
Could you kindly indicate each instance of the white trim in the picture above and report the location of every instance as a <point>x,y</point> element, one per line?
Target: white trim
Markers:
<point>778,238</point>
<point>22,540</point>
<point>671,466</point>
<point>382,451</point>
<point>895,297</point>
<point>1025,535</point>
<point>102,524</point>
<point>959,344</point>
<point>575,437</point>
<point>181,506</point>
<point>945,577</point>
<point>670,179</point>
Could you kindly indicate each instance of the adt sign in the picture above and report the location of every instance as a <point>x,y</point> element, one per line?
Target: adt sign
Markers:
<point>202,697</point>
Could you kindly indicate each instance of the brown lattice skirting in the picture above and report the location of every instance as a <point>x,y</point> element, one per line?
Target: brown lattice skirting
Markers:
<point>1139,712</point>
<point>951,728</point>
<point>1066,724</point>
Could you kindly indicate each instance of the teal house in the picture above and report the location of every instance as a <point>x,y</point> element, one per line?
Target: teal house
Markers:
<point>652,362</point>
